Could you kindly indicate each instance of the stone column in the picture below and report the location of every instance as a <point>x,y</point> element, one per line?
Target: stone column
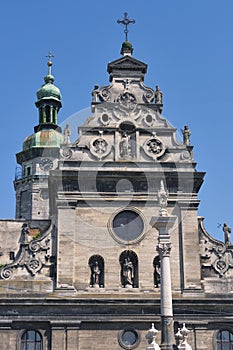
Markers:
<point>163,223</point>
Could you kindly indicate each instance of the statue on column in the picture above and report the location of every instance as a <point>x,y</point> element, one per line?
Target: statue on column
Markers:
<point>186,135</point>
<point>162,197</point>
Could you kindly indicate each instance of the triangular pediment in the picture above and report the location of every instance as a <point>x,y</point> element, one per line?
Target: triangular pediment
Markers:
<point>127,63</point>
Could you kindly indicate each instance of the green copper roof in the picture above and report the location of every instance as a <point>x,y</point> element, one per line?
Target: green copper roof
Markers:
<point>49,90</point>
<point>43,138</point>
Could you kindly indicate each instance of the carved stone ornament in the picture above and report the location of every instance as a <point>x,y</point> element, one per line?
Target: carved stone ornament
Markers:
<point>105,94</point>
<point>154,148</point>
<point>33,265</point>
<point>66,152</point>
<point>164,249</point>
<point>33,256</point>
<point>127,100</point>
<point>100,148</point>
<point>218,256</point>
<point>104,119</point>
<point>149,94</point>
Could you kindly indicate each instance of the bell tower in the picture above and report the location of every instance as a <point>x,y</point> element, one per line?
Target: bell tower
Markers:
<point>40,153</point>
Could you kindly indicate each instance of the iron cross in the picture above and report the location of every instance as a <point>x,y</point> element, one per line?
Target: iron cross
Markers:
<point>50,56</point>
<point>126,21</point>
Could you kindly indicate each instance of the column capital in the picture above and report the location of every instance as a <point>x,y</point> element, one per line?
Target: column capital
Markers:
<point>164,249</point>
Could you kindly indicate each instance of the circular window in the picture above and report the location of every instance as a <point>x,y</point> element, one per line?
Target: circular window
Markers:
<point>129,339</point>
<point>127,225</point>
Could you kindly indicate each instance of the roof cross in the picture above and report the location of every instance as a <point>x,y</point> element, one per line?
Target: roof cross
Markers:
<point>126,21</point>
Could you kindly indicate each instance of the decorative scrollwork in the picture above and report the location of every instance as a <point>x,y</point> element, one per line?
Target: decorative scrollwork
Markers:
<point>34,246</point>
<point>104,94</point>
<point>6,273</point>
<point>149,96</point>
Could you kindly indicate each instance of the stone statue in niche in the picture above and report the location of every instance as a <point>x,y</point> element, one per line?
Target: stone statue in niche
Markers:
<point>95,93</point>
<point>227,233</point>
<point>127,273</point>
<point>186,135</point>
<point>125,146</point>
<point>67,134</point>
<point>158,95</point>
<point>95,274</point>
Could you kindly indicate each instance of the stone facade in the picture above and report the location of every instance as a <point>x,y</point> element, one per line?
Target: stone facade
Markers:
<point>79,265</point>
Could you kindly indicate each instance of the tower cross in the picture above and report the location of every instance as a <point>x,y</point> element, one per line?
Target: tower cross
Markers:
<point>50,56</point>
<point>126,21</point>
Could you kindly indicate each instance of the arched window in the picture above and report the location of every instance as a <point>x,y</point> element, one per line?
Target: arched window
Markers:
<point>31,340</point>
<point>224,340</point>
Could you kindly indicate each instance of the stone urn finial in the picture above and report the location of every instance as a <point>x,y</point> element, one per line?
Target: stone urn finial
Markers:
<point>181,338</point>
<point>151,338</point>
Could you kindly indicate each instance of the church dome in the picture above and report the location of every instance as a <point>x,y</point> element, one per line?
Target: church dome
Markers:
<point>43,138</point>
<point>49,90</point>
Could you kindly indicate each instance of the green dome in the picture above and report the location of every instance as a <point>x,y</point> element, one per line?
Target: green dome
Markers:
<point>43,138</point>
<point>126,48</point>
<point>127,44</point>
<point>48,90</point>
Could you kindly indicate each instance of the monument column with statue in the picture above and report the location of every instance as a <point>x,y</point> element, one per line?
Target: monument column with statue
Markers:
<point>163,223</point>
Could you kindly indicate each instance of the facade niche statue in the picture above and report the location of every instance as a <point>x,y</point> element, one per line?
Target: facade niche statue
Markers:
<point>128,273</point>
<point>129,269</point>
<point>96,265</point>
<point>125,146</point>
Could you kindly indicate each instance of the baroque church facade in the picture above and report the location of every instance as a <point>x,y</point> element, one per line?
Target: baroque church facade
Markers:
<point>81,264</point>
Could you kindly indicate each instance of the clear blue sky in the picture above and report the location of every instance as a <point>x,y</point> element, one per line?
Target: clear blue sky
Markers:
<point>188,46</point>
